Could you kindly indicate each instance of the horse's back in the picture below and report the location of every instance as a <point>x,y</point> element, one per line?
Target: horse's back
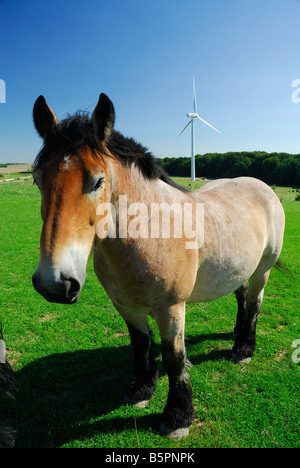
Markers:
<point>244,192</point>
<point>244,223</point>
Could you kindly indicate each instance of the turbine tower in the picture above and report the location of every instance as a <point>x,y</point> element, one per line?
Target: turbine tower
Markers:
<point>194,115</point>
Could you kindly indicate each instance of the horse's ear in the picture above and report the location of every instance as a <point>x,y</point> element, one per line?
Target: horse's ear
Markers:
<point>103,117</point>
<point>44,118</point>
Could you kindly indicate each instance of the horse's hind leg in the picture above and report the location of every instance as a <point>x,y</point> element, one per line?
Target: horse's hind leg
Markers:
<point>244,345</point>
<point>241,295</point>
<point>179,411</point>
<point>143,385</point>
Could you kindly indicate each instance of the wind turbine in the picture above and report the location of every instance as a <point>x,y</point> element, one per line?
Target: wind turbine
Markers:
<point>194,115</point>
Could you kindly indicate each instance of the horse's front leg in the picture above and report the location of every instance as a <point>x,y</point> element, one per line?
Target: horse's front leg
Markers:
<point>143,385</point>
<point>179,411</point>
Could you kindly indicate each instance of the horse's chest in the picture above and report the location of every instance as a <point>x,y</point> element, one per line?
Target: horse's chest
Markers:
<point>128,284</point>
<point>139,282</point>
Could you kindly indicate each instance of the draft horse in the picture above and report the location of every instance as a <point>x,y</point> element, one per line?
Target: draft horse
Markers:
<point>85,164</point>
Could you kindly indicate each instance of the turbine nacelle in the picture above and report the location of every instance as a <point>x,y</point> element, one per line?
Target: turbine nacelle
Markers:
<point>192,115</point>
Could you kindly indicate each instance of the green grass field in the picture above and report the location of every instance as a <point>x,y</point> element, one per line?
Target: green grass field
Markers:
<point>73,363</point>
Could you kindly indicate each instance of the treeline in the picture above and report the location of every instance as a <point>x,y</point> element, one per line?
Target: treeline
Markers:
<point>272,168</point>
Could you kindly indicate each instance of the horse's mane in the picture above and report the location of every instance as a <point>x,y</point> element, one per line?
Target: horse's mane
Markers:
<point>76,132</point>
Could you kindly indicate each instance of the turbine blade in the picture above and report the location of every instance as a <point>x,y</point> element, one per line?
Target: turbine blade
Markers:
<point>185,127</point>
<point>195,100</point>
<point>208,124</point>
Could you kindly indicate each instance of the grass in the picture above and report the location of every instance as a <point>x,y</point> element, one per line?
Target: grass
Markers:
<point>73,363</point>
<point>14,175</point>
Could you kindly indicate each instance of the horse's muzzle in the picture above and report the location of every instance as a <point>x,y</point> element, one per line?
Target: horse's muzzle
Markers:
<point>66,290</point>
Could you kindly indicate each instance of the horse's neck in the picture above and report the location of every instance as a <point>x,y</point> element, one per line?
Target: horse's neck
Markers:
<point>131,196</point>
<point>126,181</point>
<point>129,182</point>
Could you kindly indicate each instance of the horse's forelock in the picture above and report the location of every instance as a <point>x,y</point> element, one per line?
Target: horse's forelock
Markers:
<point>73,134</point>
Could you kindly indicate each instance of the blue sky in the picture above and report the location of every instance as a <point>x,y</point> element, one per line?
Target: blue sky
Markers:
<point>143,54</point>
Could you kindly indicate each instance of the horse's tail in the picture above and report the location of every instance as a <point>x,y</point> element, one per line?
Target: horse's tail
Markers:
<point>280,266</point>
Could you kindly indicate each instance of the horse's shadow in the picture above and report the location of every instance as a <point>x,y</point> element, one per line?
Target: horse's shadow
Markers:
<point>63,397</point>
<point>59,394</point>
<point>192,343</point>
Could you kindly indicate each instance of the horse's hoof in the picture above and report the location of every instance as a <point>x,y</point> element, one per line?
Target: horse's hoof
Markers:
<point>137,404</point>
<point>239,359</point>
<point>174,434</point>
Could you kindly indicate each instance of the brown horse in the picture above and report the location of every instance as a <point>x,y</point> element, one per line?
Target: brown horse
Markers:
<point>101,189</point>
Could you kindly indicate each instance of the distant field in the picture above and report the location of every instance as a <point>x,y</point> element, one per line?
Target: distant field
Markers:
<point>13,168</point>
<point>15,172</point>
<point>73,363</point>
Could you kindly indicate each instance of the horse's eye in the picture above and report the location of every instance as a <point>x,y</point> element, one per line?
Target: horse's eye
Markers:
<point>98,184</point>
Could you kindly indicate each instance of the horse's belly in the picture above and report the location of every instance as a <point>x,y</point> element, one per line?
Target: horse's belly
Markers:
<point>210,292</point>
<point>216,280</point>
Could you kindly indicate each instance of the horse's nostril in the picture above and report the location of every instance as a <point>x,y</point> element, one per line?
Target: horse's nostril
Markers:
<point>65,290</point>
<point>72,287</point>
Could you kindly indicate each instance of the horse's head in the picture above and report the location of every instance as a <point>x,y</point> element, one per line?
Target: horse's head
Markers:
<point>71,174</point>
